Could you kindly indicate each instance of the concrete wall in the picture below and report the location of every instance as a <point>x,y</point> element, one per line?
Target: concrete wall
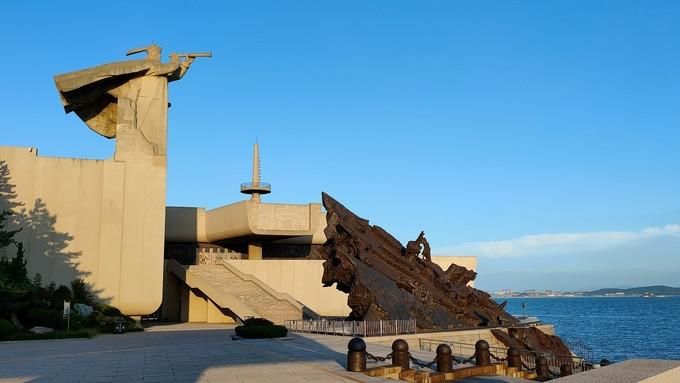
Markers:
<point>195,307</point>
<point>301,279</point>
<point>244,218</point>
<point>97,220</point>
<point>100,220</point>
<point>469,337</point>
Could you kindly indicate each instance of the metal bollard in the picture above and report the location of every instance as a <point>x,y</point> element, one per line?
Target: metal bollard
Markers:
<point>482,353</point>
<point>566,369</point>
<point>400,354</point>
<point>514,358</point>
<point>444,362</point>
<point>356,355</point>
<point>542,369</point>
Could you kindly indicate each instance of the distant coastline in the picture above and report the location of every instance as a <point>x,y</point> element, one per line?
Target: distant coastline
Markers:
<point>646,292</point>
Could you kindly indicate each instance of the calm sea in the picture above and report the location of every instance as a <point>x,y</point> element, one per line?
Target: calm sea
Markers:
<point>614,328</point>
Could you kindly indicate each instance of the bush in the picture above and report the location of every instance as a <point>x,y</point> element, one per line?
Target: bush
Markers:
<point>39,316</point>
<point>257,322</point>
<point>106,323</point>
<point>6,328</point>
<point>81,292</point>
<point>263,331</point>
<point>105,320</point>
<point>61,294</point>
<point>108,310</point>
<point>77,322</point>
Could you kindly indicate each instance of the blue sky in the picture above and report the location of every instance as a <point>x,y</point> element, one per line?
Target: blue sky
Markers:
<point>483,123</point>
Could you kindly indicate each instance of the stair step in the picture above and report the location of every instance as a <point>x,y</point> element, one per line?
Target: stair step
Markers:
<point>251,291</point>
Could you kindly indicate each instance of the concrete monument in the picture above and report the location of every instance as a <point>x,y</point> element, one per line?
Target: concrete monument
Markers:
<point>110,214</point>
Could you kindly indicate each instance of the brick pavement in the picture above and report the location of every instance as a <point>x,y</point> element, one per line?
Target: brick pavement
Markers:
<point>177,356</point>
<point>187,353</point>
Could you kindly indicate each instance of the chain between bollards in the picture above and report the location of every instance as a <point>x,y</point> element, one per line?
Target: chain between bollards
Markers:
<point>444,360</point>
<point>378,358</point>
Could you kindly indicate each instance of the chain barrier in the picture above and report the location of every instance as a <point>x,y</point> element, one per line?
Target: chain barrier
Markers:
<point>497,358</point>
<point>378,358</point>
<point>423,364</point>
<point>463,361</point>
<point>420,363</point>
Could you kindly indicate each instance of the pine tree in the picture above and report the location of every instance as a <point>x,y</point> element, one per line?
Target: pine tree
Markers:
<point>6,236</point>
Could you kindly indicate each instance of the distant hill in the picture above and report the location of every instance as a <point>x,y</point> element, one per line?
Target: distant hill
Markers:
<point>656,290</point>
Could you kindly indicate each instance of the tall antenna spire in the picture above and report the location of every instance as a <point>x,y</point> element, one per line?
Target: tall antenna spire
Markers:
<point>255,187</point>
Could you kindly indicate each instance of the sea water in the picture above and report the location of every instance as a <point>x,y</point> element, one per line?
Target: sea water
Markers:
<point>614,328</point>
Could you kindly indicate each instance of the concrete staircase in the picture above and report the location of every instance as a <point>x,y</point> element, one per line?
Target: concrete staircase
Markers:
<point>243,294</point>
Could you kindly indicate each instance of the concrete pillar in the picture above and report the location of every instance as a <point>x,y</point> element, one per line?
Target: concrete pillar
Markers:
<point>255,251</point>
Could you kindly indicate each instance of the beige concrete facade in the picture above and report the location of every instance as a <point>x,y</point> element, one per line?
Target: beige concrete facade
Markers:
<point>302,280</point>
<point>101,220</point>
<point>465,337</point>
<point>304,223</point>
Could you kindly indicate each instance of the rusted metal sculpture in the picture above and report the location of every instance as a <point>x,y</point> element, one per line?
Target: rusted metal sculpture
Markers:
<point>534,341</point>
<point>386,280</point>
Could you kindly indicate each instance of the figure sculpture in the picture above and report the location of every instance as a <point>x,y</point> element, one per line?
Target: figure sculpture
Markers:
<point>112,97</point>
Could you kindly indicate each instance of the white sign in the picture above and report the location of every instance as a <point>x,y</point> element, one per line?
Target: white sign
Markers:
<point>67,309</point>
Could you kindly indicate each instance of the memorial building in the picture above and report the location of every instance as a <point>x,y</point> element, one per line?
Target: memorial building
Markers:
<point>106,221</point>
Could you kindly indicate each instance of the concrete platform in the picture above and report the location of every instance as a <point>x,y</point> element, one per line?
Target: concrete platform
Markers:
<point>630,371</point>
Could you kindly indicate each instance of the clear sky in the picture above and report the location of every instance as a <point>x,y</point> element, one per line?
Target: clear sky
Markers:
<point>541,136</point>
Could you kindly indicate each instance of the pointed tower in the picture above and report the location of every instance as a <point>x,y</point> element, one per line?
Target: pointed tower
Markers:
<point>255,188</point>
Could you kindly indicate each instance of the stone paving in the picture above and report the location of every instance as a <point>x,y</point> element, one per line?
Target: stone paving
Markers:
<point>186,353</point>
<point>178,355</point>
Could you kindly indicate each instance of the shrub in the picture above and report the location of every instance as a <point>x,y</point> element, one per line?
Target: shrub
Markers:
<point>77,322</point>
<point>6,328</point>
<point>257,322</point>
<point>262,331</point>
<point>81,292</point>
<point>61,294</point>
<point>106,323</point>
<point>39,316</point>
<point>108,310</point>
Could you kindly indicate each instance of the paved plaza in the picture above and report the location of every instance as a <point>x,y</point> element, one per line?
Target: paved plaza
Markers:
<point>178,355</point>
<point>186,353</point>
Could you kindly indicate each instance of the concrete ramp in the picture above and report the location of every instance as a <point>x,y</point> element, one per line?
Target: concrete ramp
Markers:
<point>242,294</point>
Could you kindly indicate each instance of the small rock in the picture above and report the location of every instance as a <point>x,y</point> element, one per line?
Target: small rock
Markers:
<point>40,330</point>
